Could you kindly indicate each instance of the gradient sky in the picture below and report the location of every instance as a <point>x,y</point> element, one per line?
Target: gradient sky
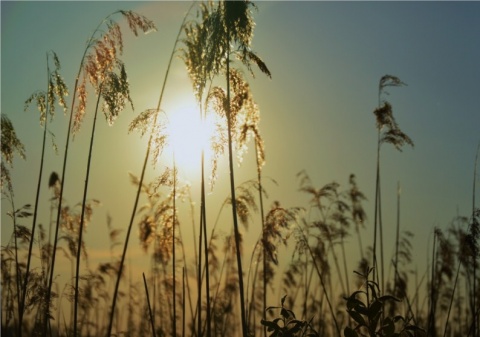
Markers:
<point>326,59</point>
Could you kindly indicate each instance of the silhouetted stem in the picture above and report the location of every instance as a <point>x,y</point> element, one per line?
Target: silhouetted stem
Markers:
<point>148,302</point>
<point>431,318</point>
<point>342,241</point>
<point>380,226</point>
<point>124,253</point>
<point>35,210</point>
<point>17,265</point>
<point>204,226</point>
<point>187,284</point>
<point>475,324</point>
<point>264,237</point>
<point>183,302</point>
<point>451,299</point>
<point>233,199</point>
<point>82,216</point>
<point>397,243</point>
<point>199,279</point>
<point>173,249</point>
<point>251,306</point>
<point>375,217</point>
<point>335,260</point>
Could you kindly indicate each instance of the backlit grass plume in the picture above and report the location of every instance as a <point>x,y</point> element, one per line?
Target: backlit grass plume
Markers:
<point>100,64</point>
<point>244,120</point>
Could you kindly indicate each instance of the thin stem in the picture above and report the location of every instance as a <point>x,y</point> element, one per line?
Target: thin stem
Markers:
<point>431,319</point>
<point>173,248</point>
<point>82,216</point>
<point>233,200</point>
<point>148,302</point>
<point>185,271</point>
<point>35,211</point>
<point>335,260</point>
<point>475,326</point>
<point>375,217</point>
<point>396,279</point>
<point>207,273</point>
<point>451,299</point>
<point>183,302</point>
<point>344,261</point>
<point>17,265</point>
<point>199,279</point>
<point>380,226</point>
<point>264,236</point>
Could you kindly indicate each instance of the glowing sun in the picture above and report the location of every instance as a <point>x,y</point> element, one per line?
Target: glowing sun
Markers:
<point>188,134</point>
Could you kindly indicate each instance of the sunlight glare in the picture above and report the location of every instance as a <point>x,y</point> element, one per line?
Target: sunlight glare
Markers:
<point>188,135</point>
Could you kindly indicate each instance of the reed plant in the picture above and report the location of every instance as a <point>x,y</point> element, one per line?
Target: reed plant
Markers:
<point>388,131</point>
<point>231,23</point>
<point>107,75</point>
<point>45,101</point>
<point>96,53</point>
<point>194,58</point>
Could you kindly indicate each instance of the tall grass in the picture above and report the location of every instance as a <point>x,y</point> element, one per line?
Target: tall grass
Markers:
<point>114,90</point>
<point>146,120</point>
<point>314,279</point>
<point>231,22</point>
<point>11,144</point>
<point>100,56</point>
<point>45,100</point>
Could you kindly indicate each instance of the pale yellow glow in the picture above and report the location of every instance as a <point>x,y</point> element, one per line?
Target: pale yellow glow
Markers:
<point>188,135</point>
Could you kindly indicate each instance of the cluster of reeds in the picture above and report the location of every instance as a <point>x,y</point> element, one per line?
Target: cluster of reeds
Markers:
<point>216,48</point>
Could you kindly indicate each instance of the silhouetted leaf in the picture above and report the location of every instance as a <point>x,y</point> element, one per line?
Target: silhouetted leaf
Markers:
<point>349,332</point>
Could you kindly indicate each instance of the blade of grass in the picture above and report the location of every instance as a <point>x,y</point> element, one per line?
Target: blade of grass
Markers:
<point>148,302</point>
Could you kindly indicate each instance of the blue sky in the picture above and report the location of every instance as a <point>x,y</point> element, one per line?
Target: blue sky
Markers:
<point>326,59</point>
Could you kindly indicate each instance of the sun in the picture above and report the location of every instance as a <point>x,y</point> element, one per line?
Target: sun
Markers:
<point>188,134</point>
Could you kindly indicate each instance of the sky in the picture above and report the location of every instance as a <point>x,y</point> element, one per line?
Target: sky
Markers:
<point>326,59</point>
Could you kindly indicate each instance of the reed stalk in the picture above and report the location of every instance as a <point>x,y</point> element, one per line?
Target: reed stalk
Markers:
<point>174,317</point>
<point>397,239</point>
<point>82,219</point>
<point>233,199</point>
<point>90,43</point>
<point>475,233</point>
<point>149,306</point>
<point>35,211</point>
<point>388,131</point>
